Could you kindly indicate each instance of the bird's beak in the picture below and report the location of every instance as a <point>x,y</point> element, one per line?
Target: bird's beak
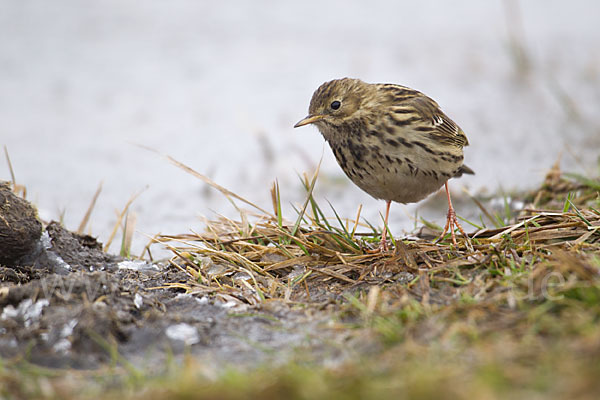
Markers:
<point>309,120</point>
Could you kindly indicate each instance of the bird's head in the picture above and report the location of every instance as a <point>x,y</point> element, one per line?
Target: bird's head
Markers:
<point>334,102</point>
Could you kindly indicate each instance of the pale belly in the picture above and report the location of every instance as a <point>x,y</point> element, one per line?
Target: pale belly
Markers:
<point>400,188</point>
<point>404,178</point>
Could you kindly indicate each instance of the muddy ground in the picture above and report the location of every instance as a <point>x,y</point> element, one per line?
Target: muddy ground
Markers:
<point>72,306</point>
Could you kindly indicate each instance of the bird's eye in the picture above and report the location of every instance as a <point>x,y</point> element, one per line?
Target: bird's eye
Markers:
<point>335,105</point>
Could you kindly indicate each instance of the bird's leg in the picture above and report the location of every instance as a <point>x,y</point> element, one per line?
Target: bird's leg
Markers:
<point>383,247</point>
<point>451,221</point>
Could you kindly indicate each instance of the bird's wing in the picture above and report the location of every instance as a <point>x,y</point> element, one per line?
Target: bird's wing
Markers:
<point>424,114</point>
<point>434,122</point>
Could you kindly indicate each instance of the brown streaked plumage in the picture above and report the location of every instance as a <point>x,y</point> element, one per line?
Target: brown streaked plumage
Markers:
<point>393,142</point>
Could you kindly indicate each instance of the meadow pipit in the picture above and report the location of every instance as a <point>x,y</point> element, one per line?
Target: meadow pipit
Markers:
<point>394,142</point>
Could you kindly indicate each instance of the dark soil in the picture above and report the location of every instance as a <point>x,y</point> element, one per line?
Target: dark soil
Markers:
<point>71,305</point>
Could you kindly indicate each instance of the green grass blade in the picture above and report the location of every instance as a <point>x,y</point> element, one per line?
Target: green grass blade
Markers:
<point>297,211</point>
<point>343,227</point>
<point>346,236</point>
<point>473,224</point>
<point>579,214</point>
<point>507,211</point>
<point>310,190</point>
<point>567,202</point>
<point>278,202</point>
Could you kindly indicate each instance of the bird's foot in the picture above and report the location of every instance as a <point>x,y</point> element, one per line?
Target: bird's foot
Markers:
<point>381,249</point>
<point>451,224</point>
<point>383,246</point>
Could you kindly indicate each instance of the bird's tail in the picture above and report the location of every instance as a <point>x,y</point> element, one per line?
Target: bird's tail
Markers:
<point>463,170</point>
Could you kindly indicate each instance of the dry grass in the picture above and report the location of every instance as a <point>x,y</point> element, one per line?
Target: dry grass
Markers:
<point>310,260</point>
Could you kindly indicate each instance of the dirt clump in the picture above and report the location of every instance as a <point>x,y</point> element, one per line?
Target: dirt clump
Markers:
<point>20,229</point>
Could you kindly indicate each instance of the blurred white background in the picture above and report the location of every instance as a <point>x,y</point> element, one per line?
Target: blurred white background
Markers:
<point>219,85</point>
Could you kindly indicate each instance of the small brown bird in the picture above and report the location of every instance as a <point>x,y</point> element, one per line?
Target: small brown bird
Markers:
<point>394,142</point>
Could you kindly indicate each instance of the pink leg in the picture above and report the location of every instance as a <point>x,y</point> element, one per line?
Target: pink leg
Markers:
<point>451,221</point>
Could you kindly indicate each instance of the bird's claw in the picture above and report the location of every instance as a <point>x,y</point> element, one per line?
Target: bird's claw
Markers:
<point>451,224</point>
<point>381,249</point>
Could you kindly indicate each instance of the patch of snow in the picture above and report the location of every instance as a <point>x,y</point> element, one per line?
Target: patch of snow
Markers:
<point>67,330</point>
<point>138,300</point>
<point>229,304</point>
<point>62,346</point>
<point>137,265</point>
<point>183,332</point>
<point>27,309</point>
